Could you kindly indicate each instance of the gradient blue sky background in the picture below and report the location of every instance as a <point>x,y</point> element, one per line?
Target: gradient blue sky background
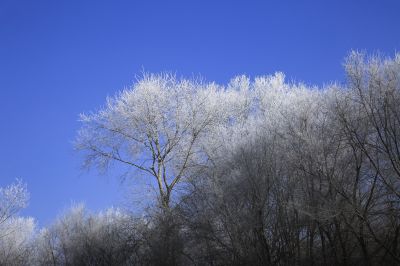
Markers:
<point>61,58</point>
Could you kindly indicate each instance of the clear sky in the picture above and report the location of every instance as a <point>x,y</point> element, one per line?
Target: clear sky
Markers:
<point>61,58</point>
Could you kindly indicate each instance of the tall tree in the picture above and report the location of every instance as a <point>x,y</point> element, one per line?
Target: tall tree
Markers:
<point>157,127</point>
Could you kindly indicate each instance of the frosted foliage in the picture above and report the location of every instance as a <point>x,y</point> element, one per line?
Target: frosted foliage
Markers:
<point>78,237</point>
<point>159,113</point>
<point>78,217</point>
<point>16,232</point>
<point>12,198</point>
<point>15,240</point>
<point>279,101</point>
<point>268,104</point>
<point>167,128</point>
<point>159,126</point>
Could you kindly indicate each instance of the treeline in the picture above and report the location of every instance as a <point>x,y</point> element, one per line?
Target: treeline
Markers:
<point>259,172</point>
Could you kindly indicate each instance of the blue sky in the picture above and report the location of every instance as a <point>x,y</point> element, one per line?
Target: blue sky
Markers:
<point>61,58</point>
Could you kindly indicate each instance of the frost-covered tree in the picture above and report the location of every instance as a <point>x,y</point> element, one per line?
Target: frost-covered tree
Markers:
<point>369,114</point>
<point>16,233</point>
<point>13,198</point>
<point>158,127</point>
<point>82,238</point>
<point>16,241</point>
